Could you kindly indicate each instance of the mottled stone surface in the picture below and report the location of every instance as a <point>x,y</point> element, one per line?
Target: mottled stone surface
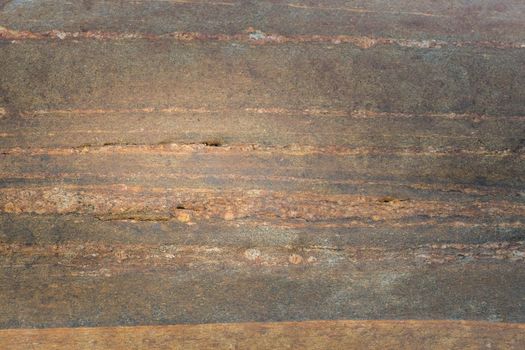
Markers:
<point>168,162</point>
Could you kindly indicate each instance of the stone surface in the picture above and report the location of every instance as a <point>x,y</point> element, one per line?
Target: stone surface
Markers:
<point>169,162</point>
<point>286,335</point>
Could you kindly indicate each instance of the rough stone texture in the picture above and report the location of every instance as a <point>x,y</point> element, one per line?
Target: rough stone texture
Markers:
<point>168,162</point>
<point>285,335</point>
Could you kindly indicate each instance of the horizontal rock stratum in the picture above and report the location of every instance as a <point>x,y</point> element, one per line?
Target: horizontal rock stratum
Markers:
<point>259,174</point>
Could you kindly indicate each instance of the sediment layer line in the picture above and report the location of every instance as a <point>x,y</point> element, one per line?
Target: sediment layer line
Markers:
<point>253,36</point>
<point>215,148</point>
<point>122,202</point>
<point>313,111</point>
<point>94,258</point>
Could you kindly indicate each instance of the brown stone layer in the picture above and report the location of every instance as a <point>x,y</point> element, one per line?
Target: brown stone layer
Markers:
<point>138,74</point>
<point>188,161</point>
<point>122,202</point>
<point>98,258</point>
<point>284,335</point>
<point>255,37</point>
<point>484,20</point>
